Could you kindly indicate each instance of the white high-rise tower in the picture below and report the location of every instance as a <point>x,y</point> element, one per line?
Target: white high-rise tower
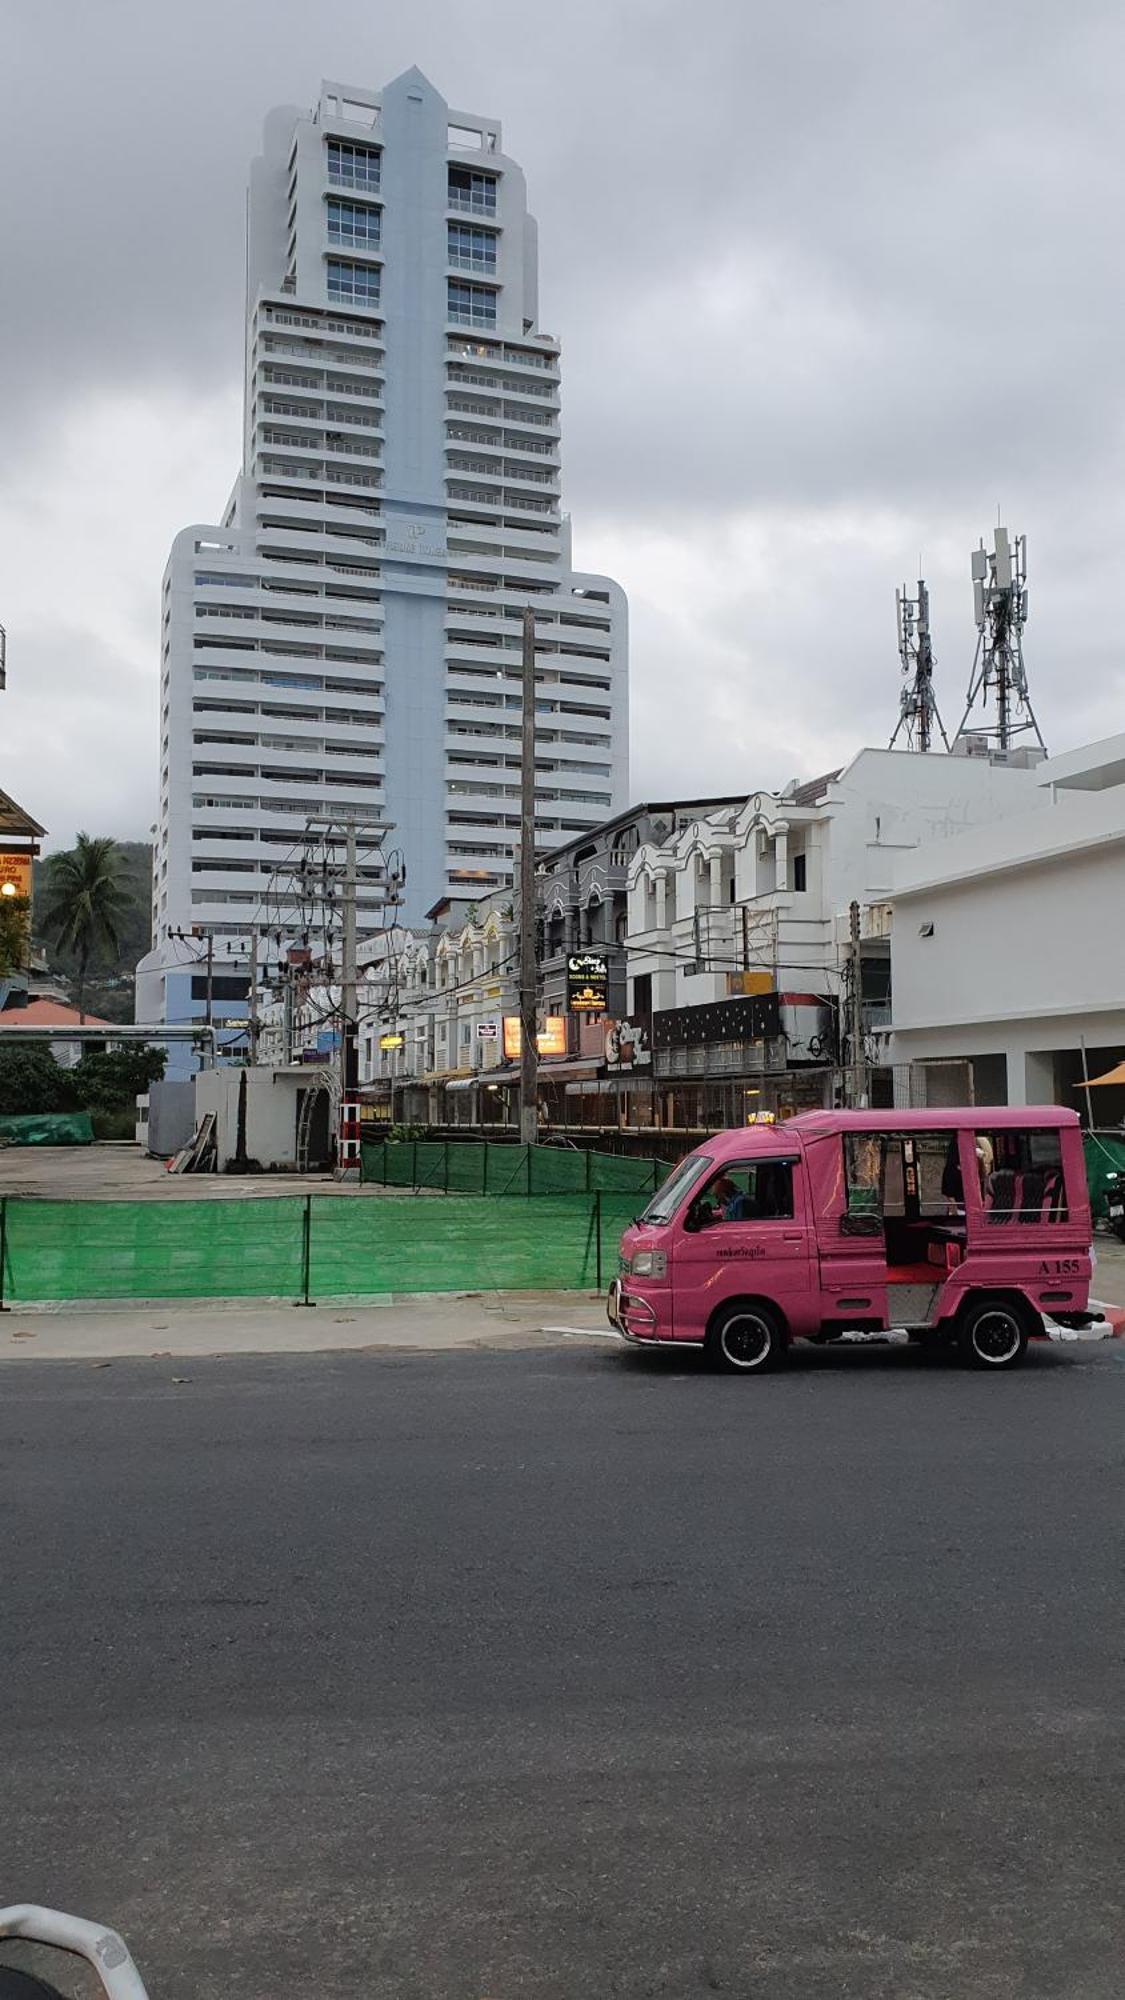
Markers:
<point>349,637</point>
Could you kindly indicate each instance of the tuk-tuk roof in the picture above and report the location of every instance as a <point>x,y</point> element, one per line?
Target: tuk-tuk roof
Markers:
<point>808,1125</point>
<point>943,1118</point>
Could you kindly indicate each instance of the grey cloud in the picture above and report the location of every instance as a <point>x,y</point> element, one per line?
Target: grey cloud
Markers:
<point>847,268</point>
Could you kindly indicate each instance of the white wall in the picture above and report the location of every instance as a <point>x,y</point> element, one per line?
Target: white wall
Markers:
<point>1028,951</point>
<point>271,1112</point>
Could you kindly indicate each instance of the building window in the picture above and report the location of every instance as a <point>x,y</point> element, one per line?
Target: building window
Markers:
<point>800,873</point>
<point>353,166</point>
<point>351,222</point>
<point>471,305</point>
<point>471,249</point>
<point>353,284</point>
<point>473,191</point>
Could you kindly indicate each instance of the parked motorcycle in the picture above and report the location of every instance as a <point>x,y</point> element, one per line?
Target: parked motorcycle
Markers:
<point>1115,1203</point>
<point>99,1946</point>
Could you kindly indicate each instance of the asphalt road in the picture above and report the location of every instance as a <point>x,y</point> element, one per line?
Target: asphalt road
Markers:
<point>571,1672</point>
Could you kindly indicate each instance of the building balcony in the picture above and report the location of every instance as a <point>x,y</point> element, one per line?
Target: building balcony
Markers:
<point>470,204</point>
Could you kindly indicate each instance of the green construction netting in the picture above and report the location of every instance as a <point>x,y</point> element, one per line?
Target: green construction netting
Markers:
<point>1105,1154</point>
<point>481,1167</point>
<point>54,1128</point>
<point>153,1249</point>
<point>357,1246</point>
<point>469,1244</point>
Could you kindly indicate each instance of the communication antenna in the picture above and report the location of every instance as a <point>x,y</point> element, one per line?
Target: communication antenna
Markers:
<point>999,679</point>
<point>918,709</point>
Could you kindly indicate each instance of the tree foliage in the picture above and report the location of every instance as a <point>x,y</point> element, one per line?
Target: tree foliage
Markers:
<point>110,1078</point>
<point>32,1081</point>
<point>84,906</point>
<point>109,975</point>
<point>13,934</point>
<point>107,1080</point>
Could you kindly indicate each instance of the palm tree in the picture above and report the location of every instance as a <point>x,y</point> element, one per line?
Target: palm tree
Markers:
<point>85,903</point>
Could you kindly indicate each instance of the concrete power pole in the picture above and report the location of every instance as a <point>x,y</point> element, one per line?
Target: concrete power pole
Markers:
<point>529,1055</point>
<point>859,1067</point>
<point>252,999</point>
<point>348,1159</point>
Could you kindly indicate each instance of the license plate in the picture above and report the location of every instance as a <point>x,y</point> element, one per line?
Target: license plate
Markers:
<point>1116,1209</point>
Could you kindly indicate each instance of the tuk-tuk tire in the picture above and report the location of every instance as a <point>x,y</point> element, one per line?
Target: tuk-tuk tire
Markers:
<point>721,1350</point>
<point>977,1308</point>
<point>24,1986</point>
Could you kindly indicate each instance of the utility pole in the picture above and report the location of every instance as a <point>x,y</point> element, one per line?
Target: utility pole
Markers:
<point>287,1012</point>
<point>209,1017</point>
<point>349,1055</point>
<point>529,1054</point>
<point>188,937</point>
<point>859,1067</point>
<point>347,1164</point>
<point>252,998</point>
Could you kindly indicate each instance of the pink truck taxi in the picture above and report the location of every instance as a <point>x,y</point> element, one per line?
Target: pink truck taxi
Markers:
<point>969,1227</point>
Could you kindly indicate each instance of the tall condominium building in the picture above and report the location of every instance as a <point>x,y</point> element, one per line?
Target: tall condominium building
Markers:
<point>350,636</point>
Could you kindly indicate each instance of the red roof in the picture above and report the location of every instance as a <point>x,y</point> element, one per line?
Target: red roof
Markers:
<point>47,1014</point>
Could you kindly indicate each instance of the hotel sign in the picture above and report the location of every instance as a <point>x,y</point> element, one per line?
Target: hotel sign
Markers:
<point>586,977</point>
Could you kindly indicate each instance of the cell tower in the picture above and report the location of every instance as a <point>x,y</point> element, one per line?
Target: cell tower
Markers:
<point>918,709</point>
<point>999,679</point>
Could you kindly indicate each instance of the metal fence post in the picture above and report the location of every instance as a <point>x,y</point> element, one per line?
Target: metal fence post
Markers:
<point>306,1252</point>
<point>414,1165</point>
<point>446,1166</point>
<point>598,1225</point>
<point>3,1249</point>
<point>589,1162</point>
<point>484,1171</point>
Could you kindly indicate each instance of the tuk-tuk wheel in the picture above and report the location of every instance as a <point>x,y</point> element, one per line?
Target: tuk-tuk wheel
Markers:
<point>993,1333</point>
<point>745,1338</point>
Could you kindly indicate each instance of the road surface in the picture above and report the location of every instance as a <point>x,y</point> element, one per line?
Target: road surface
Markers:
<point>569,1672</point>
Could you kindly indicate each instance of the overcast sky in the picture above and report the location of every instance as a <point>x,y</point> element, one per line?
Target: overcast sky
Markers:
<point>832,280</point>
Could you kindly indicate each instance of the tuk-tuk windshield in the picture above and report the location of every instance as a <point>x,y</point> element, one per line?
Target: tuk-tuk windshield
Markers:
<point>666,1201</point>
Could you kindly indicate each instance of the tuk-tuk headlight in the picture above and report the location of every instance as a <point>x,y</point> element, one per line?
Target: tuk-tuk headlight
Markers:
<point>648,1264</point>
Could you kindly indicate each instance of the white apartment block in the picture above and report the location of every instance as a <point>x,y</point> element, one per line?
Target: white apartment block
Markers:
<point>348,639</point>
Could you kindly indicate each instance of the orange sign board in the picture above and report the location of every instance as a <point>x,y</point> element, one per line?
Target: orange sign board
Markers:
<point>15,874</point>
<point>550,1041</point>
<point>749,982</point>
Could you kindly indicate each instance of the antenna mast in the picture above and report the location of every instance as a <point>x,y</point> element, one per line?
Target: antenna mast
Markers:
<point>918,709</point>
<point>998,675</point>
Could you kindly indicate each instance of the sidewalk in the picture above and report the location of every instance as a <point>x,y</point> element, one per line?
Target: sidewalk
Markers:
<point>439,1322</point>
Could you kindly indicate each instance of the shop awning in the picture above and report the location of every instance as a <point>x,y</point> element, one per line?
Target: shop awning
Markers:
<point>550,1072</point>
<point>1116,1076</point>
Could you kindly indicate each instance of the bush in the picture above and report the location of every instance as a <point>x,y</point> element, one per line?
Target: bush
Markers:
<point>32,1081</point>
<point>118,1123</point>
<point>114,1079</point>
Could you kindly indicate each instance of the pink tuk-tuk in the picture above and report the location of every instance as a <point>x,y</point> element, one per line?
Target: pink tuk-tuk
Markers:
<point>968,1227</point>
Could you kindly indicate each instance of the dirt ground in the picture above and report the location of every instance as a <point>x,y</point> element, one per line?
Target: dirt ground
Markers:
<point>121,1172</point>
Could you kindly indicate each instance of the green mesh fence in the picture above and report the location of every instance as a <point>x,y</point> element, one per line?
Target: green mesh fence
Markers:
<point>472,1244</point>
<point>319,1246</point>
<point>153,1249</point>
<point>481,1167</point>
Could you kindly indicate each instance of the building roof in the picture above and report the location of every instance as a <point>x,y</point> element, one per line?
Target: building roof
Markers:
<point>48,1014</point>
<point>697,807</point>
<point>16,824</point>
